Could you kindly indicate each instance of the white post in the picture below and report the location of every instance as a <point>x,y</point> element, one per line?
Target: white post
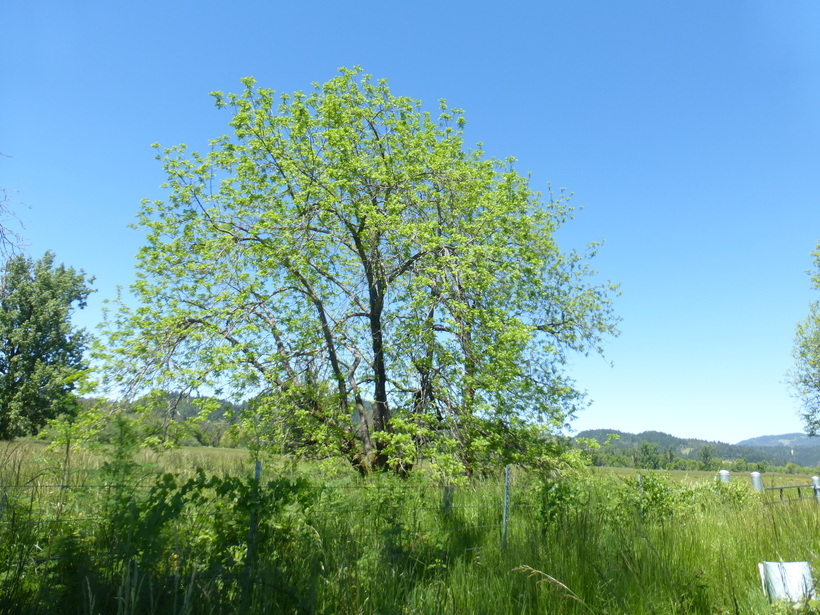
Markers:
<point>724,476</point>
<point>757,482</point>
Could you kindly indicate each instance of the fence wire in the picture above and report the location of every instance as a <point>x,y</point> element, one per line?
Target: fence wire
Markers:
<point>35,516</point>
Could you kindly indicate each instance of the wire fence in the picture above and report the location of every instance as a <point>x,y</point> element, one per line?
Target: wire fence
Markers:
<point>50,508</point>
<point>42,510</point>
<point>248,528</point>
<point>237,534</point>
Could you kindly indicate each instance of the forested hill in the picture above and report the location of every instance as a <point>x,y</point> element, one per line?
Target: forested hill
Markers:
<point>786,439</point>
<point>772,450</point>
<point>628,440</point>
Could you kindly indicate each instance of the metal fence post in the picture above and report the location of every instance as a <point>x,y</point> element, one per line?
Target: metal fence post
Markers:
<point>506,505</point>
<point>257,474</point>
<point>724,476</point>
<point>757,482</point>
<point>447,502</point>
<point>815,481</point>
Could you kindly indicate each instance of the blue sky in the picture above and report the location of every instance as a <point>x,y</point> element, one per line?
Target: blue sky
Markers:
<point>689,132</point>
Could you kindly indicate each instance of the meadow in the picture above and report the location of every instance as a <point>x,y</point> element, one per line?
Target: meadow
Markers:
<point>193,531</point>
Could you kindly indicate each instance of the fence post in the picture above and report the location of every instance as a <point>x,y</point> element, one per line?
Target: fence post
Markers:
<point>257,474</point>
<point>506,505</point>
<point>815,481</point>
<point>724,476</point>
<point>447,502</point>
<point>757,482</point>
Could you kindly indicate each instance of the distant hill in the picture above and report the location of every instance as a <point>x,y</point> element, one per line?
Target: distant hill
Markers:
<point>775,450</point>
<point>786,439</point>
<point>630,440</point>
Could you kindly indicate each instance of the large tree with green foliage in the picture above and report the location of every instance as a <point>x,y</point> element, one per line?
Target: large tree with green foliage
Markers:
<point>806,374</point>
<point>41,353</point>
<point>381,291</point>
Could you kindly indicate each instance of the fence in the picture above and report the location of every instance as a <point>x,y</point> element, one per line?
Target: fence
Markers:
<point>67,538</point>
<point>108,529</point>
<point>52,504</point>
<point>802,492</point>
<point>56,493</point>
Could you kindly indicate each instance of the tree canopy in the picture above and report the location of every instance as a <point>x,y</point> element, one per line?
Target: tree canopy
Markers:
<point>381,292</point>
<point>41,353</point>
<point>806,373</point>
<point>10,239</point>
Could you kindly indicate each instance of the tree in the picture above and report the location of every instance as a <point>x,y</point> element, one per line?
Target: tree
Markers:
<point>10,239</point>
<point>706,456</point>
<point>648,456</point>
<point>41,354</point>
<point>376,288</point>
<point>669,457</point>
<point>805,376</point>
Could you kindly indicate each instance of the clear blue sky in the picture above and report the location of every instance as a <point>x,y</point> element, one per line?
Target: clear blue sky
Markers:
<point>689,132</point>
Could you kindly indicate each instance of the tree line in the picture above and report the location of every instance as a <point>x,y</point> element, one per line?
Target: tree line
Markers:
<point>660,451</point>
<point>650,456</point>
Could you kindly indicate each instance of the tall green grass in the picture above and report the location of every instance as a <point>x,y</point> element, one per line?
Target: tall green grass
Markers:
<point>130,533</point>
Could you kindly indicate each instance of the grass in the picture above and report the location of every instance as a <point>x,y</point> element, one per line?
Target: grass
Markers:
<point>151,534</point>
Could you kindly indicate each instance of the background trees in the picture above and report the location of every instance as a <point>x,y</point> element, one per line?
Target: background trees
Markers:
<point>41,354</point>
<point>376,289</point>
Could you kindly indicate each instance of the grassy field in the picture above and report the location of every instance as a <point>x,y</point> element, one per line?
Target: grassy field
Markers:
<point>136,532</point>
